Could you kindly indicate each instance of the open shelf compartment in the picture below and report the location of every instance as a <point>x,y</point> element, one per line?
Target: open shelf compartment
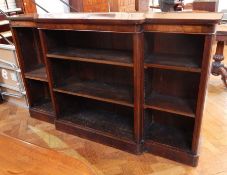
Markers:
<point>108,119</point>
<point>182,52</point>
<point>99,47</point>
<point>30,47</point>
<point>40,99</point>
<point>170,130</point>
<point>105,83</point>
<point>171,91</point>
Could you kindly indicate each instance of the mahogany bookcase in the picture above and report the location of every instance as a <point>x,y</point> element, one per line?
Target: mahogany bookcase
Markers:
<point>133,81</point>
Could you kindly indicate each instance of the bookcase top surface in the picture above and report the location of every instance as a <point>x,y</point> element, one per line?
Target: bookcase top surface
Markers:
<point>124,18</point>
<point>111,17</point>
<point>184,17</point>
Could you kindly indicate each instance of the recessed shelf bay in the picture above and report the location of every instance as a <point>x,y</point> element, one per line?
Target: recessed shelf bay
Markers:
<point>169,136</point>
<point>111,119</point>
<point>170,130</point>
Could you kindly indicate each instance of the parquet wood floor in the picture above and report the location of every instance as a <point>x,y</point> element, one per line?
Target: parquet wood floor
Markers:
<point>15,122</point>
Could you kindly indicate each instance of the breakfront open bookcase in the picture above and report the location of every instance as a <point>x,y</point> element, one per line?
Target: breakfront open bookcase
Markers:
<point>133,81</point>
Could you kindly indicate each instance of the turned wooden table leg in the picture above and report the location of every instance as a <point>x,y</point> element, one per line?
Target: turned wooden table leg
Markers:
<point>217,67</point>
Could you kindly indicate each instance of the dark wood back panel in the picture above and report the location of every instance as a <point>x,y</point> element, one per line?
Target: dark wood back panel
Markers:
<point>169,129</point>
<point>39,90</point>
<point>30,47</point>
<point>172,83</point>
<point>79,71</point>
<point>98,40</point>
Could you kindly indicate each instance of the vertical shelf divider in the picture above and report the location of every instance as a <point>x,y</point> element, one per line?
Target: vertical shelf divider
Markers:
<point>138,57</point>
<point>42,36</point>
<point>202,91</point>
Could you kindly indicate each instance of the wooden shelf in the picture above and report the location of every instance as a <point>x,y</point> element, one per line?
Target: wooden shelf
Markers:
<point>38,73</point>
<point>98,91</point>
<point>102,121</point>
<point>170,136</point>
<point>112,57</point>
<point>173,61</point>
<point>170,104</point>
<point>44,106</point>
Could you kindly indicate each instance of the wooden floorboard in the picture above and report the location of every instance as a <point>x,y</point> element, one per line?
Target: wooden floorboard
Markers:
<point>104,160</point>
<point>19,157</point>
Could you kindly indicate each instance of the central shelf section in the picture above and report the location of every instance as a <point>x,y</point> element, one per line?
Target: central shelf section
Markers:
<point>93,83</point>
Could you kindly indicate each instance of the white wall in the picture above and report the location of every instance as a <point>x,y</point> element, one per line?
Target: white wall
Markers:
<point>11,4</point>
<point>52,6</point>
<point>222,5</point>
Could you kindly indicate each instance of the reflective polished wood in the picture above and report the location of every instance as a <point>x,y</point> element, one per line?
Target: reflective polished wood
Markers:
<point>19,157</point>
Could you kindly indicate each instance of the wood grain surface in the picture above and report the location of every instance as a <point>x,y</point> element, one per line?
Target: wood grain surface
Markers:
<point>19,157</point>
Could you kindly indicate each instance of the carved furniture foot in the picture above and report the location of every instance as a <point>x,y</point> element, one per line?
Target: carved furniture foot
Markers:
<point>217,67</point>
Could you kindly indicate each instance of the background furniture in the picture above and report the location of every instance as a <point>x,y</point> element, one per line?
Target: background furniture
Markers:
<point>217,67</point>
<point>11,85</point>
<point>27,6</point>
<point>197,5</point>
<point>142,5</point>
<point>206,5</point>
<point>171,5</point>
<point>136,90</point>
<point>110,5</point>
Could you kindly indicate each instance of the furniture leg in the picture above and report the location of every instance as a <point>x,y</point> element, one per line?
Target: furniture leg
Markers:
<point>217,67</point>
